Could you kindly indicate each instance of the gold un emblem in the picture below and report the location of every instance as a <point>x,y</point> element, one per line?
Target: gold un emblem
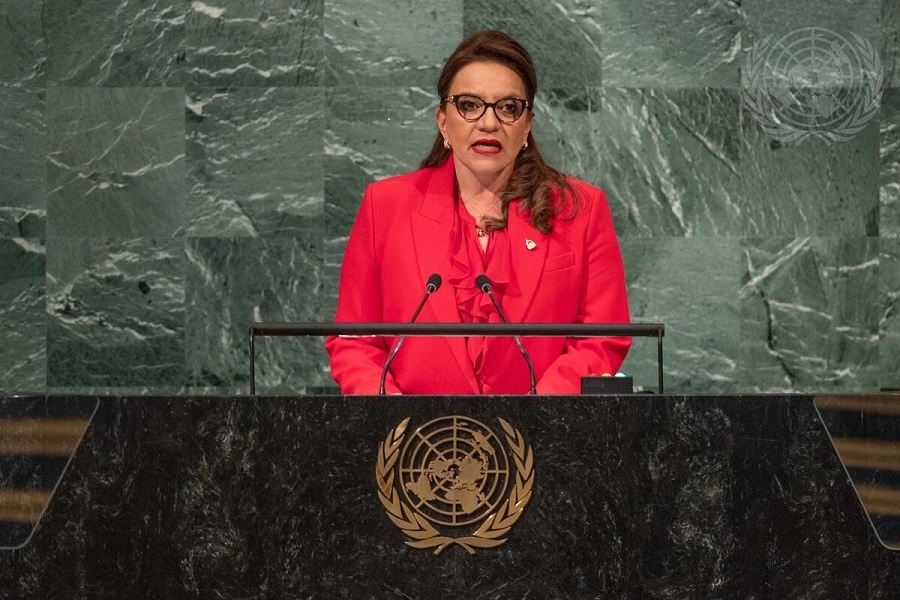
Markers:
<point>454,482</point>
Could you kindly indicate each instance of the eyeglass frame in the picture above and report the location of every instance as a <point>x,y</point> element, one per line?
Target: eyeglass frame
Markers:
<point>493,105</point>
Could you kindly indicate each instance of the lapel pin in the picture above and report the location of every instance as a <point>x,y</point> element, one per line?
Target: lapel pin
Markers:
<point>530,244</point>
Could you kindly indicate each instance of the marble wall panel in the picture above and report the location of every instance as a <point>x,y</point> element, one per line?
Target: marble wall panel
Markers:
<point>670,161</point>
<point>773,17</point>
<point>332,257</point>
<point>254,160</point>
<point>116,312</point>
<point>691,285</point>
<point>371,134</point>
<point>23,149</point>
<point>133,42</point>
<point>567,128</point>
<point>233,282</point>
<point>563,38</point>
<point>22,48</point>
<point>889,218</point>
<point>237,43</point>
<point>694,43</point>
<point>99,141</point>
<point>809,188</point>
<point>23,316</point>
<point>813,72</point>
<point>116,161</point>
<point>890,42</point>
<point>811,310</point>
<point>390,42</point>
<point>889,325</point>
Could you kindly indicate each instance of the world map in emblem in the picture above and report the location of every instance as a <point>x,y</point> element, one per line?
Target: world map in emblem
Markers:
<point>450,473</point>
<point>454,470</point>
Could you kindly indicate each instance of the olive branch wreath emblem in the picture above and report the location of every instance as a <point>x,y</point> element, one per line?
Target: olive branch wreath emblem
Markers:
<point>490,532</point>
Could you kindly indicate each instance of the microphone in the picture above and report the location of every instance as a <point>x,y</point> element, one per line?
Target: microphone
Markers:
<point>431,286</point>
<point>484,283</point>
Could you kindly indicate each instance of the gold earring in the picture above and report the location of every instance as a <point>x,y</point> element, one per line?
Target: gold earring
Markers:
<point>525,146</point>
<point>446,143</point>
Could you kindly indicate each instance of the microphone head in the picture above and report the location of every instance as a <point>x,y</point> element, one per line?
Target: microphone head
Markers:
<point>483,283</point>
<point>434,282</point>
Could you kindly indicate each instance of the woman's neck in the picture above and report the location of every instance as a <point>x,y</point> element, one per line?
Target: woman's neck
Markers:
<point>481,188</point>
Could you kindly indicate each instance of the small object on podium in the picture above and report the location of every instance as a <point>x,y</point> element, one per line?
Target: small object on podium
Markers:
<point>607,384</point>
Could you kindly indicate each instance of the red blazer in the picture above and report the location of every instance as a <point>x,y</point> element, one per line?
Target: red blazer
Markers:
<point>402,235</point>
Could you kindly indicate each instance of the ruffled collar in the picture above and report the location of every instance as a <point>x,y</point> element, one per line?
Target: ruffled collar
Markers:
<point>467,261</point>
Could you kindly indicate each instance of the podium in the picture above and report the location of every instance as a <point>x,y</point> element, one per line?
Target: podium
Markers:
<point>279,497</point>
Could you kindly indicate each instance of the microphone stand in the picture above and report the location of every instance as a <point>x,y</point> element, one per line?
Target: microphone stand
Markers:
<point>485,284</point>
<point>434,282</point>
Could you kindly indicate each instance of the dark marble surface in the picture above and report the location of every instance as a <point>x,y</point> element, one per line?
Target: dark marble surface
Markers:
<point>635,497</point>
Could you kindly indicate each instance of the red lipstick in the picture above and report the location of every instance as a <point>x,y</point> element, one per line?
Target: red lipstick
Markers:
<point>487,146</point>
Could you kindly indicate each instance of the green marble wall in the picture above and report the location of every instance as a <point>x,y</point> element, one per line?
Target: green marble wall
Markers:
<point>170,171</point>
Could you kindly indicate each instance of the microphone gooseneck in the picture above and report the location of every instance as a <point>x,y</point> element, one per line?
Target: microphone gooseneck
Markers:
<point>431,286</point>
<point>484,284</point>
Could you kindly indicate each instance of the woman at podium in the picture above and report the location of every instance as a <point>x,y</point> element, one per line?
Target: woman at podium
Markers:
<point>484,202</point>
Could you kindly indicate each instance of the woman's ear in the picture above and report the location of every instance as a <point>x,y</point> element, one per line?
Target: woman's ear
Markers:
<point>440,115</point>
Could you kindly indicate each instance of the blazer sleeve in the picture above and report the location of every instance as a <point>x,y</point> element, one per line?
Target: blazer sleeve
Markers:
<point>357,362</point>
<point>602,298</point>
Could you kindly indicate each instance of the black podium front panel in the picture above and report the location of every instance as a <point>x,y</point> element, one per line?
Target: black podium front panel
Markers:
<point>605,497</point>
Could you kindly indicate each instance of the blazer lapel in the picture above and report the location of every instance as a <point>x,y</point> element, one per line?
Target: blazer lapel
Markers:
<point>431,232</point>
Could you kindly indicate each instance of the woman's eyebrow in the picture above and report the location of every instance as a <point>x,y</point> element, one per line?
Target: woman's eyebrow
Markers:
<point>512,95</point>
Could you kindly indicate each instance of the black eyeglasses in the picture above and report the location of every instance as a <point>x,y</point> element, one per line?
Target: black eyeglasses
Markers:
<point>471,107</point>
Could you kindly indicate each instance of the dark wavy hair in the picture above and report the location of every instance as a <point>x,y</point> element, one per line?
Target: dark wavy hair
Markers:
<point>543,190</point>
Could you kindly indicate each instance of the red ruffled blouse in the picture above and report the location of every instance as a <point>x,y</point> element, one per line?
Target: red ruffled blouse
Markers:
<point>468,261</point>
